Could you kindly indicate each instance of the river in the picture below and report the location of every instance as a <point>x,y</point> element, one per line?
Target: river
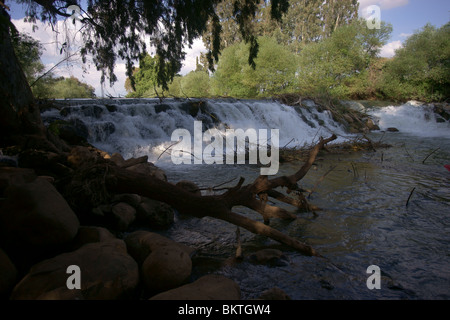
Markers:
<point>389,208</point>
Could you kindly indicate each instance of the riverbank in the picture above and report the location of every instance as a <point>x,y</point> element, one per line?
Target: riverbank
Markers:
<point>52,218</point>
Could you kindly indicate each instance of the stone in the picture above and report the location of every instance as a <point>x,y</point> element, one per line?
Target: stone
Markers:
<point>107,272</point>
<point>132,199</point>
<point>141,243</point>
<point>209,287</point>
<point>148,169</point>
<point>15,176</point>
<point>392,129</point>
<point>166,268</point>
<point>123,215</point>
<point>155,214</point>
<point>35,220</point>
<point>274,294</point>
<point>90,234</point>
<point>371,125</point>
<point>8,275</point>
<point>80,155</point>
<point>117,159</point>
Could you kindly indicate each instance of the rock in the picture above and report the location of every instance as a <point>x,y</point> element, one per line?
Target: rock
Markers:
<point>141,243</point>
<point>271,257</point>
<point>190,187</point>
<point>80,155</point>
<point>209,287</point>
<point>308,103</point>
<point>8,275</point>
<point>274,294</point>
<point>148,169</point>
<point>43,162</point>
<point>392,130</point>
<point>124,215</point>
<point>107,272</point>
<point>88,234</point>
<point>132,199</point>
<point>155,214</point>
<point>371,125</point>
<point>166,268</point>
<point>15,176</point>
<point>35,220</point>
<point>76,132</point>
<point>117,159</point>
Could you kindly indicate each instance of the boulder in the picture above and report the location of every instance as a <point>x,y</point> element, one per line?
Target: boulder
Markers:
<point>274,294</point>
<point>392,129</point>
<point>141,243</point>
<point>166,268</point>
<point>124,215</point>
<point>35,220</point>
<point>132,199</point>
<point>209,287</point>
<point>8,275</point>
<point>148,169</point>
<point>15,176</point>
<point>155,214</point>
<point>80,155</point>
<point>89,234</point>
<point>107,272</point>
<point>371,125</point>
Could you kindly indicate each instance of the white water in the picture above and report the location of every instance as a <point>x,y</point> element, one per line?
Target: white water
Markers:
<point>144,127</point>
<point>411,118</point>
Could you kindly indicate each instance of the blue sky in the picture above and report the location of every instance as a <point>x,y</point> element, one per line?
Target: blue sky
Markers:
<point>406,17</point>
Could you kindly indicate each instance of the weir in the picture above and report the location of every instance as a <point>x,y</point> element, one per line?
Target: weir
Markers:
<point>138,127</point>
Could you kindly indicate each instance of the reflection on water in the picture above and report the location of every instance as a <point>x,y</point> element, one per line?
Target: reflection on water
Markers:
<point>364,221</point>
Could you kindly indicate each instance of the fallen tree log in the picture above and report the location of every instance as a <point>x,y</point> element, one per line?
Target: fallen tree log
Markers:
<point>254,196</point>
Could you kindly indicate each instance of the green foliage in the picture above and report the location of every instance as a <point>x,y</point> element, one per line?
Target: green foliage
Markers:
<point>421,69</point>
<point>332,66</point>
<point>69,88</point>
<point>28,52</point>
<point>274,72</point>
<point>196,84</point>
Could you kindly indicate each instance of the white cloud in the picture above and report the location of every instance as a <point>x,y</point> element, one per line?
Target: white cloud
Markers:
<point>383,4</point>
<point>191,54</point>
<point>405,35</point>
<point>388,51</point>
<point>52,42</point>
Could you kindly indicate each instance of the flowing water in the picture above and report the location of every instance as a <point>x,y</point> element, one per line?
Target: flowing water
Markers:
<point>389,207</point>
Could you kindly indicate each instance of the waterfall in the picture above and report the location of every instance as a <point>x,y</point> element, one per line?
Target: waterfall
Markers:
<point>137,127</point>
<point>411,118</point>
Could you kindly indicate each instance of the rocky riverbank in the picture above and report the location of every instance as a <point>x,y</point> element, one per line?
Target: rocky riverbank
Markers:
<point>55,227</point>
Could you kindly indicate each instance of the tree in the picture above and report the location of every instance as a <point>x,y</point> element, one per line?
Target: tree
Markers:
<point>28,52</point>
<point>70,88</point>
<point>274,72</point>
<point>329,66</point>
<point>195,84</point>
<point>421,68</point>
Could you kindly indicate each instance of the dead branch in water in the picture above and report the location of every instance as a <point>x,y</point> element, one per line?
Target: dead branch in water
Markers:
<point>253,196</point>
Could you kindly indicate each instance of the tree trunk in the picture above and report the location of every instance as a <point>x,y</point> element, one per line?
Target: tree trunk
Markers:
<point>18,112</point>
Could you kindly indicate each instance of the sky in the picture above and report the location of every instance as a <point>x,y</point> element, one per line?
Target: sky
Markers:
<point>406,17</point>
